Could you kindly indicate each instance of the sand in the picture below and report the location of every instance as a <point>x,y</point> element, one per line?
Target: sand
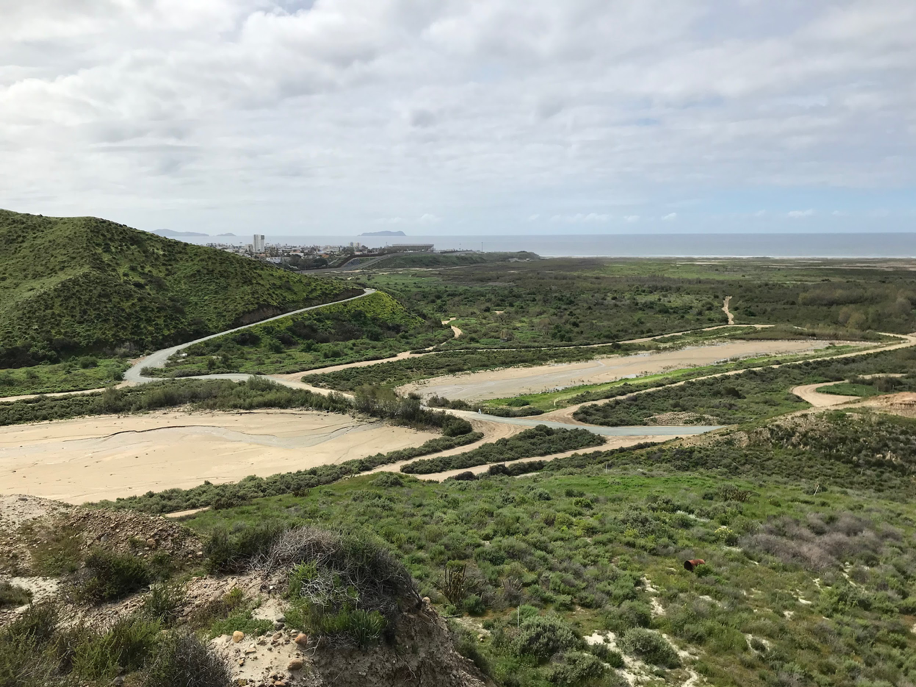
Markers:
<point>810,394</point>
<point>515,381</point>
<point>105,457</point>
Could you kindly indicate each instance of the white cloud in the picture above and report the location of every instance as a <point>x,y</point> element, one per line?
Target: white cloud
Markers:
<point>631,218</point>
<point>799,214</point>
<point>670,217</point>
<point>428,218</point>
<point>580,218</point>
<point>335,112</point>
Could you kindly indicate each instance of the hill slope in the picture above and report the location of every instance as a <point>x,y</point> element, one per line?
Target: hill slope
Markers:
<point>76,285</point>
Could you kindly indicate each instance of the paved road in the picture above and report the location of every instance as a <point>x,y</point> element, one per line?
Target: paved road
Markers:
<point>159,358</point>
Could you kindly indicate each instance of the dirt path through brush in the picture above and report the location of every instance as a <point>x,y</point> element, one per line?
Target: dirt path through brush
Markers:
<point>731,318</point>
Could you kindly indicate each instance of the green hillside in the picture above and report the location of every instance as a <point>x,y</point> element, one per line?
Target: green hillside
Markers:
<point>78,285</point>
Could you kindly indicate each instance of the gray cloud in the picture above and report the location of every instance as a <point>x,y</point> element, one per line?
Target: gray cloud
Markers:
<point>327,115</point>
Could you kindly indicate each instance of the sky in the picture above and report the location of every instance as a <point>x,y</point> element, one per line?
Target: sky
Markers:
<point>462,117</point>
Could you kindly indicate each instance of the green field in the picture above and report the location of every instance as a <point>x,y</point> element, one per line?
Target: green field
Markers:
<point>76,286</point>
<point>86,372</point>
<point>799,563</point>
<point>370,328</point>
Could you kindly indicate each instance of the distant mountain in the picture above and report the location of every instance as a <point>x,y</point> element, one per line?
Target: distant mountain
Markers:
<point>383,233</point>
<point>226,234</point>
<point>169,232</point>
<point>71,286</point>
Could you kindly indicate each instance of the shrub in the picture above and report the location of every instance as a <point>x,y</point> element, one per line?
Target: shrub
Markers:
<point>11,595</point>
<point>650,646</point>
<point>628,615</point>
<point>543,636</point>
<point>233,551</point>
<point>606,654</point>
<point>184,660</point>
<point>164,602</point>
<point>111,576</point>
<point>576,668</point>
<point>125,647</point>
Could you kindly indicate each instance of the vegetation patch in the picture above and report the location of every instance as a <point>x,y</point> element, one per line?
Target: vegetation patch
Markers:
<point>537,441</point>
<point>76,286</point>
<point>369,328</point>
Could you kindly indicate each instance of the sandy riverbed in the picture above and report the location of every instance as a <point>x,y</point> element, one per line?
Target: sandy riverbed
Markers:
<point>480,386</point>
<point>105,457</point>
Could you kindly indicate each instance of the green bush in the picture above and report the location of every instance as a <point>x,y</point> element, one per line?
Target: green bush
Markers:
<point>111,576</point>
<point>11,595</point>
<point>228,551</point>
<point>650,646</point>
<point>542,636</point>
<point>575,668</point>
<point>126,647</point>
<point>184,660</point>
<point>164,603</point>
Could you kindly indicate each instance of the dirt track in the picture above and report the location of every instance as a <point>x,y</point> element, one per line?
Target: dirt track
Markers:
<point>810,394</point>
<point>515,381</point>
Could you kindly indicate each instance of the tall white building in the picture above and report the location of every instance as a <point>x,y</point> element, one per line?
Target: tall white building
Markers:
<point>258,243</point>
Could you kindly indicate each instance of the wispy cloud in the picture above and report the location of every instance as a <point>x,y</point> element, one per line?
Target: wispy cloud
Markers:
<point>799,214</point>
<point>580,218</point>
<point>670,217</point>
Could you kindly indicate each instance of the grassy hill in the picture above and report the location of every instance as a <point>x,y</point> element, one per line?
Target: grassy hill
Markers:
<point>79,285</point>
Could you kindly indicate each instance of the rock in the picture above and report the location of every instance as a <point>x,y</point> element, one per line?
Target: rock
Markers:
<point>295,664</point>
<point>118,681</point>
<point>302,640</point>
<point>278,625</point>
<point>238,636</point>
<point>151,543</point>
<point>426,600</point>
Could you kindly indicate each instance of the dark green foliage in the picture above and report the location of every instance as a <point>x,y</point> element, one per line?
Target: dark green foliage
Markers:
<point>347,588</point>
<point>369,328</point>
<point>233,551</point>
<point>542,636</point>
<point>110,576</point>
<point>77,285</point>
<point>184,660</point>
<point>537,441</point>
<point>164,603</point>
<point>575,669</point>
<point>124,648</point>
<point>650,646</point>
<point>12,596</point>
<point>200,394</point>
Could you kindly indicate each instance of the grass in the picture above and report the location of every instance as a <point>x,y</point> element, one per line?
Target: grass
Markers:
<point>750,395</point>
<point>582,543</point>
<point>78,374</point>
<point>76,286</point>
<point>13,596</point>
<point>370,328</point>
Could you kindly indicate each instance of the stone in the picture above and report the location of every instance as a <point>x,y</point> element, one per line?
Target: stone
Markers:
<point>302,640</point>
<point>151,543</point>
<point>295,664</point>
<point>238,636</point>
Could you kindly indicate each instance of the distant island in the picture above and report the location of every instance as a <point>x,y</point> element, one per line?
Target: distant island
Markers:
<point>383,233</point>
<point>169,232</point>
<point>226,234</point>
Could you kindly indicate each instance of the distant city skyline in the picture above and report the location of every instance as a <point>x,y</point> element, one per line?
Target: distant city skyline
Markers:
<point>338,117</point>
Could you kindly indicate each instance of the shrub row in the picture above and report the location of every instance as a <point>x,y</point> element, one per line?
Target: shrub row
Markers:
<point>537,441</point>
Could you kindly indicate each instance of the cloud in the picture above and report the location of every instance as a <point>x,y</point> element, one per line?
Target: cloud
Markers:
<point>580,218</point>
<point>799,214</point>
<point>670,217</point>
<point>335,112</point>
<point>428,218</point>
<point>631,218</point>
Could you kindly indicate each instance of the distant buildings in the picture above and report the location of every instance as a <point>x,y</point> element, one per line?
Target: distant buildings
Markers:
<point>408,248</point>
<point>258,244</point>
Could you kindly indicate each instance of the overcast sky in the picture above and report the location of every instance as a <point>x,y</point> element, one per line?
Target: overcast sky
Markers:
<point>462,116</point>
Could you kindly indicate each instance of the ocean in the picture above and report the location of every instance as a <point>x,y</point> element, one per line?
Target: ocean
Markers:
<point>877,245</point>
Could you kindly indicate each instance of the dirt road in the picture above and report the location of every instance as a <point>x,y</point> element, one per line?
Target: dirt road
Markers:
<point>507,382</point>
<point>810,394</point>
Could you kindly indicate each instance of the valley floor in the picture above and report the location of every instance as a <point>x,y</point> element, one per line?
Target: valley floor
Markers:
<point>90,459</point>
